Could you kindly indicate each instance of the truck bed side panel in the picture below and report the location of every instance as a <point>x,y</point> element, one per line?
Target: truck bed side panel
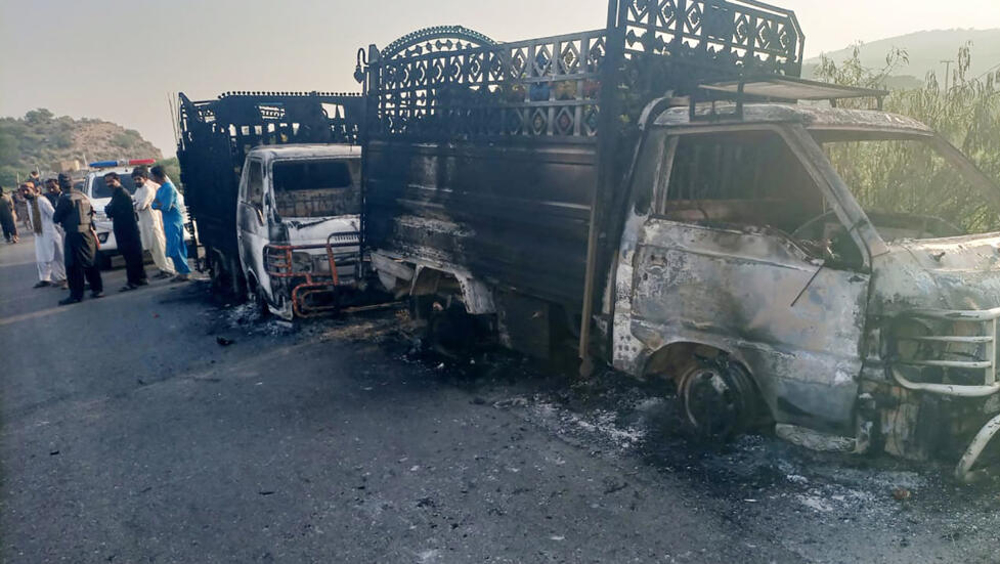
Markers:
<point>513,215</point>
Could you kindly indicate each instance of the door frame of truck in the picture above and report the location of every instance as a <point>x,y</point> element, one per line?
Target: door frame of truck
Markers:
<point>667,346</point>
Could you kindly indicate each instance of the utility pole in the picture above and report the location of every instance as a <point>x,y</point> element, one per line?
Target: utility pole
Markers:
<point>947,72</point>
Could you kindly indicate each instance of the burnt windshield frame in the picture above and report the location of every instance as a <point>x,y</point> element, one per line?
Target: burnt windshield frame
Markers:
<point>955,159</point>
<point>338,170</point>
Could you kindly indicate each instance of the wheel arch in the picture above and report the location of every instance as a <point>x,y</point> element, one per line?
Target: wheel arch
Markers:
<point>672,357</point>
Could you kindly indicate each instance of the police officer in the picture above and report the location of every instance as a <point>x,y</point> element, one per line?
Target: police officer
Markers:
<point>75,215</point>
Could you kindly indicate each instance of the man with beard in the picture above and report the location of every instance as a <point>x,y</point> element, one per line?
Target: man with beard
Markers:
<point>48,237</point>
<point>75,215</point>
<point>121,210</point>
<point>151,222</point>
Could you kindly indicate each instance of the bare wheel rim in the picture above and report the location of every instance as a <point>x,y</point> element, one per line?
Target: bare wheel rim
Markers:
<point>716,399</point>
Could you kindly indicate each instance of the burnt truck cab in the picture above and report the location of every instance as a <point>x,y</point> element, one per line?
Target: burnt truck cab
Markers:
<point>760,258</point>
<point>297,225</point>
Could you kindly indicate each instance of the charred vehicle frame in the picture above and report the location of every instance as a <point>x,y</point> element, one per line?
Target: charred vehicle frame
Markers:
<point>215,139</point>
<point>556,187</point>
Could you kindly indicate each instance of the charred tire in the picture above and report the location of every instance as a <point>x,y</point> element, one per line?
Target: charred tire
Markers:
<point>255,295</point>
<point>718,397</point>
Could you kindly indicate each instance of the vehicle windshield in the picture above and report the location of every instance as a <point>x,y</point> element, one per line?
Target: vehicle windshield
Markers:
<point>318,188</point>
<point>913,186</point>
<point>98,189</point>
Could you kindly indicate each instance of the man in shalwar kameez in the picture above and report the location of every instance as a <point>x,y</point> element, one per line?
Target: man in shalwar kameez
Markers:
<point>48,237</point>
<point>151,222</point>
<point>168,202</point>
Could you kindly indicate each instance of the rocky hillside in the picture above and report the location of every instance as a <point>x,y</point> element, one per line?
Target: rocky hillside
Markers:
<point>41,140</point>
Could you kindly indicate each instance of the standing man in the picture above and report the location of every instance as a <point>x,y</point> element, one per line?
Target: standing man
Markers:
<point>52,194</point>
<point>48,238</point>
<point>35,179</point>
<point>168,202</point>
<point>121,210</point>
<point>75,216</point>
<point>7,218</point>
<point>52,191</point>
<point>21,209</point>
<point>151,222</point>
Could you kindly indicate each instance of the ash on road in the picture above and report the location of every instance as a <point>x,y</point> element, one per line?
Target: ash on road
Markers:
<point>130,435</point>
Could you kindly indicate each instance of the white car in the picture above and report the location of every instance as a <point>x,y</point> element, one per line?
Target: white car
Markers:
<point>100,196</point>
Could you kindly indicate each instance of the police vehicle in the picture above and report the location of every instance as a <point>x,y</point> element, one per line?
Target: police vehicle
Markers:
<point>100,196</point>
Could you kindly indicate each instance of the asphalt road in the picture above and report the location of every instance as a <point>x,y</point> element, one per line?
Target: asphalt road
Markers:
<point>129,434</point>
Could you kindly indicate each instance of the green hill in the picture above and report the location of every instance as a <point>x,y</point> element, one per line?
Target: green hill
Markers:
<point>926,50</point>
<point>39,140</point>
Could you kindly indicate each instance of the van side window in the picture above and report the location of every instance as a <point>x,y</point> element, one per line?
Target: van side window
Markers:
<point>742,178</point>
<point>255,185</point>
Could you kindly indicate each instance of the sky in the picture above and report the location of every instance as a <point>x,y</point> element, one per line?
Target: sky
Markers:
<point>121,60</point>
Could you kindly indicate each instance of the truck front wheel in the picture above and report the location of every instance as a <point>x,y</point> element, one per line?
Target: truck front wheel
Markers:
<point>718,397</point>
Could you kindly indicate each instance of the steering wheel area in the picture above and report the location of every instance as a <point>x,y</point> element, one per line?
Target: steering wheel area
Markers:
<point>807,229</point>
<point>835,245</point>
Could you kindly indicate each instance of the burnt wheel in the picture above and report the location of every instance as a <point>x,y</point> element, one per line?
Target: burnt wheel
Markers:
<point>718,397</point>
<point>255,295</point>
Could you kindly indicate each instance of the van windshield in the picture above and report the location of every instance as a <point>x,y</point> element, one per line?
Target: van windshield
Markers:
<point>98,189</point>
<point>913,186</point>
<point>318,188</point>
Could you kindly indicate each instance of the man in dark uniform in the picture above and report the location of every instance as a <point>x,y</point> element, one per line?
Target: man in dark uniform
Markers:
<point>121,210</point>
<point>75,216</point>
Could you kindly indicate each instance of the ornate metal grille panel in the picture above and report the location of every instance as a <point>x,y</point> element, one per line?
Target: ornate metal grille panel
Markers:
<point>742,35</point>
<point>453,83</point>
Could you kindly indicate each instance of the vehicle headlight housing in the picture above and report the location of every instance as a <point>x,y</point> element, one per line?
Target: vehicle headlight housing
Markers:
<point>103,236</point>
<point>321,263</point>
<point>302,262</point>
<point>902,344</point>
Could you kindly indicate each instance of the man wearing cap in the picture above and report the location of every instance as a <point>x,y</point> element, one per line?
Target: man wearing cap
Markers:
<point>75,215</point>
<point>48,237</point>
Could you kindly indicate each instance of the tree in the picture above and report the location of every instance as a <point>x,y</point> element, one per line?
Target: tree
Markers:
<point>172,168</point>
<point>895,176</point>
<point>10,150</point>
<point>41,115</point>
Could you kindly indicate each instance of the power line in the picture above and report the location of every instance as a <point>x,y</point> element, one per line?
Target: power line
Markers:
<point>989,70</point>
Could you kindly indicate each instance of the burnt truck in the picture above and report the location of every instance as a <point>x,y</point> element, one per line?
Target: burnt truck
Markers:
<point>272,181</point>
<point>668,195</point>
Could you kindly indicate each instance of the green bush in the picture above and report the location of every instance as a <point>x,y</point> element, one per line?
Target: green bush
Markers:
<point>896,177</point>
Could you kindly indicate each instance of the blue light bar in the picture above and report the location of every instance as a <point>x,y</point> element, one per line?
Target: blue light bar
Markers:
<point>103,164</point>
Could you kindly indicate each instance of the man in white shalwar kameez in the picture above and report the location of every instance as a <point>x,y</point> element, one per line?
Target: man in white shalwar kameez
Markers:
<point>151,222</point>
<point>48,237</point>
